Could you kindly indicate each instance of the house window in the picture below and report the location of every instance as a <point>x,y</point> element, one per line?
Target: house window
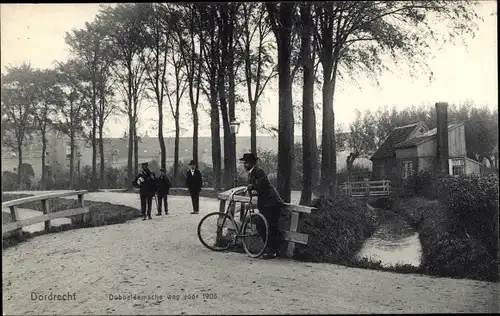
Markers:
<point>457,167</point>
<point>457,170</point>
<point>407,169</point>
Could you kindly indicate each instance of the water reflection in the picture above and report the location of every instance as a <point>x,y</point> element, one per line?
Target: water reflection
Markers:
<point>394,242</point>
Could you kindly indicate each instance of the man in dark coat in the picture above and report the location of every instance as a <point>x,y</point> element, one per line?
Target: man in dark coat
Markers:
<point>163,189</point>
<point>194,183</point>
<point>269,202</point>
<point>145,181</point>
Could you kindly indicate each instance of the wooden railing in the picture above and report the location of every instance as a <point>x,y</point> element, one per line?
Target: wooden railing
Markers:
<point>289,234</point>
<point>368,188</point>
<point>17,224</point>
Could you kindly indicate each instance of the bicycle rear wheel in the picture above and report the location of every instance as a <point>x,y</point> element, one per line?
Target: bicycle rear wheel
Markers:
<point>217,231</point>
<point>254,235</point>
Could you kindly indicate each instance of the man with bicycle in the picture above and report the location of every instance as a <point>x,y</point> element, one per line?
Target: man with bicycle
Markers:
<point>269,202</point>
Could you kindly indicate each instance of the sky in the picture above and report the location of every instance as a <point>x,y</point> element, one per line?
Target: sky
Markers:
<point>34,33</point>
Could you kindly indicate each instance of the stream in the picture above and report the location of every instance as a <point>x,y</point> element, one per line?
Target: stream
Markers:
<point>393,242</point>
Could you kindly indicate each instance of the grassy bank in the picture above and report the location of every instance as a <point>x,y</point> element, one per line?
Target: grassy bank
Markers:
<point>444,252</point>
<point>100,214</point>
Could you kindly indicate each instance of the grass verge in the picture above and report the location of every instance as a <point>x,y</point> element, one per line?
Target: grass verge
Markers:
<point>445,254</point>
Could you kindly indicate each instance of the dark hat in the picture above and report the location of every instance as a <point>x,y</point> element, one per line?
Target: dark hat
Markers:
<point>144,164</point>
<point>192,163</point>
<point>249,157</point>
<point>162,169</point>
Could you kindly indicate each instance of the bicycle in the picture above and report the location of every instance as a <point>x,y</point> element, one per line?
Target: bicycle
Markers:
<point>227,230</point>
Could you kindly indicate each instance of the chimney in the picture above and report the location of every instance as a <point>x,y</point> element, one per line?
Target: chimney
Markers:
<point>442,137</point>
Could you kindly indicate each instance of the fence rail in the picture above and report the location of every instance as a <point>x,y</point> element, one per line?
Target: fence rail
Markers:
<point>368,188</point>
<point>17,224</point>
<point>290,234</point>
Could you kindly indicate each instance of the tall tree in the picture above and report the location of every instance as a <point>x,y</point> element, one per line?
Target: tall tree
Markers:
<point>125,25</point>
<point>174,95</point>
<point>191,56</point>
<point>86,44</point>
<point>225,30</point>
<point>281,17</point>
<point>355,35</point>
<point>46,109</point>
<point>211,56</point>
<point>72,78</point>
<point>19,99</point>
<point>259,68</point>
<point>309,144</point>
<point>361,139</point>
<point>158,33</point>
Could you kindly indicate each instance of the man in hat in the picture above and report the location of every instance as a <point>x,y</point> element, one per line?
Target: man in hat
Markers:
<point>194,183</point>
<point>145,181</point>
<point>269,202</point>
<point>163,188</point>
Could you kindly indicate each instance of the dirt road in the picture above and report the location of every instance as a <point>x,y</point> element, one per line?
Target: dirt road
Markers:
<point>163,258</point>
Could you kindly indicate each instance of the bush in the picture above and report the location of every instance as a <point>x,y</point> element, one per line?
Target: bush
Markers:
<point>336,230</point>
<point>453,256</point>
<point>472,208</point>
<point>447,252</point>
<point>423,184</point>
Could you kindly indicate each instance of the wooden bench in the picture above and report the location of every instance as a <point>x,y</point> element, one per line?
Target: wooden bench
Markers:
<point>289,234</point>
<point>17,224</point>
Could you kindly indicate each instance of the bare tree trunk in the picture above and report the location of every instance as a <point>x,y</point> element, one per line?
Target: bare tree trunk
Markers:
<point>101,151</point>
<point>136,150</point>
<point>130,175</point>
<point>253,127</point>
<point>215,133</point>
<point>309,146</point>
<point>161,139</point>
<point>94,135</point>
<point>282,24</point>
<point>195,136</point>
<point>71,159</point>
<point>19,165</point>
<point>176,151</point>
<point>286,122</point>
<point>44,150</point>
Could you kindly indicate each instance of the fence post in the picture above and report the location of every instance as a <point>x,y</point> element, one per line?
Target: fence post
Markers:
<point>81,203</point>
<point>15,216</point>
<point>367,188</point>
<point>46,211</point>
<point>294,223</point>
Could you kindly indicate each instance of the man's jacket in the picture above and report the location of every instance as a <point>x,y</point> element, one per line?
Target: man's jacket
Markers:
<point>148,185</point>
<point>268,196</point>
<point>163,185</point>
<point>194,182</point>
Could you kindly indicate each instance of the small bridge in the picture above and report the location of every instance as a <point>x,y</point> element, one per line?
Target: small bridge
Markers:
<point>366,189</point>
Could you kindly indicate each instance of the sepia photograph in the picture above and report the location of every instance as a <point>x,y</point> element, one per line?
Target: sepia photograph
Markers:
<point>250,158</point>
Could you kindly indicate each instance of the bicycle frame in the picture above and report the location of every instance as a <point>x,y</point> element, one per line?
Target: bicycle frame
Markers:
<point>248,210</point>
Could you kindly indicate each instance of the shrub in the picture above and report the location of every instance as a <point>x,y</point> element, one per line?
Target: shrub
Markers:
<point>336,230</point>
<point>423,184</point>
<point>472,208</point>
<point>452,256</point>
<point>446,252</point>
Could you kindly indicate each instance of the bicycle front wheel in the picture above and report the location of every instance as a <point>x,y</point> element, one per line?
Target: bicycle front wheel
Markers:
<point>255,235</point>
<point>216,231</point>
